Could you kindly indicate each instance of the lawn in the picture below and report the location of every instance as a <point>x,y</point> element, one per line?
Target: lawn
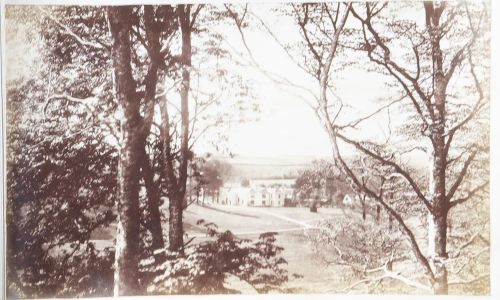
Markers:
<point>291,223</point>
<point>247,221</point>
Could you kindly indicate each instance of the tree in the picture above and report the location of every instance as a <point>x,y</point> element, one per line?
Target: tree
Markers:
<point>435,83</point>
<point>52,213</point>
<point>245,182</point>
<point>177,186</point>
<point>77,43</point>
<point>321,179</point>
<point>307,184</point>
<point>199,45</point>
<point>427,89</point>
<point>78,55</point>
<point>127,248</point>
<point>61,185</point>
<point>215,173</point>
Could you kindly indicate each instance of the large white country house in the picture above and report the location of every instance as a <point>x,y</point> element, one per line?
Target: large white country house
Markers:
<point>260,192</point>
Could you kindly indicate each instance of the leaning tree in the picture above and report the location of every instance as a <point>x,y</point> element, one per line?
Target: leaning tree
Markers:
<point>434,66</point>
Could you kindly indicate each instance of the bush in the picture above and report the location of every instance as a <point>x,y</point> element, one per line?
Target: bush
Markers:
<point>74,270</point>
<point>203,267</point>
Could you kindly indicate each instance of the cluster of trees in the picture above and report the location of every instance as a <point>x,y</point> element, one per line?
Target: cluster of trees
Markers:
<point>115,104</point>
<point>321,181</point>
<point>208,176</point>
<point>101,131</point>
<point>433,58</point>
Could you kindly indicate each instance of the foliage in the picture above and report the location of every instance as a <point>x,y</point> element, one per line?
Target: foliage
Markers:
<point>60,186</point>
<point>321,179</point>
<point>245,182</point>
<point>64,129</point>
<point>348,240</point>
<point>209,175</point>
<point>204,267</point>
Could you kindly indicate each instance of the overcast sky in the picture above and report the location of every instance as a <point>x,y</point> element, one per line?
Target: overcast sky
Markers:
<point>287,125</point>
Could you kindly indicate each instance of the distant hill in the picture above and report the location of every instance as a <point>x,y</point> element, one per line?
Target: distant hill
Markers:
<point>262,167</point>
<point>268,167</point>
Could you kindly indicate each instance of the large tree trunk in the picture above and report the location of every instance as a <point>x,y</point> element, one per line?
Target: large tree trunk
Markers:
<point>440,284</point>
<point>176,230</point>
<point>438,218</point>
<point>437,182</point>
<point>152,189</point>
<point>439,214</point>
<point>127,246</point>
<point>153,196</point>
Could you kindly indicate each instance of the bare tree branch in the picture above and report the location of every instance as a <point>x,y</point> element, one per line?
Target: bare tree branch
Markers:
<point>199,7</point>
<point>467,282</point>
<point>392,164</point>
<point>470,194</point>
<point>279,80</point>
<point>302,24</point>
<point>356,122</point>
<point>460,176</point>
<point>68,31</point>
<point>392,67</point>
<point>390,275</point>
<point>409,234</point>
<point>475,109</point>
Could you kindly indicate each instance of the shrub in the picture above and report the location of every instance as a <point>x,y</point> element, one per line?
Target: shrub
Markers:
<point>203,267</point>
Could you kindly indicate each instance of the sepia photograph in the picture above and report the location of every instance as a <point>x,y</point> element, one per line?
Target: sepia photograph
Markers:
<point>232,147</point>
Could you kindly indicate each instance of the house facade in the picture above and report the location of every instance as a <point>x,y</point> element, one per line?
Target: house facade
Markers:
<point>261,192</point>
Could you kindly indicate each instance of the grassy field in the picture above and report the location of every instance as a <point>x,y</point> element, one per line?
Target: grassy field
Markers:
<point>291,223</point>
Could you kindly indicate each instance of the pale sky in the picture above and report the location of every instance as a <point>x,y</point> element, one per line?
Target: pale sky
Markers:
<point>287,125</point>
